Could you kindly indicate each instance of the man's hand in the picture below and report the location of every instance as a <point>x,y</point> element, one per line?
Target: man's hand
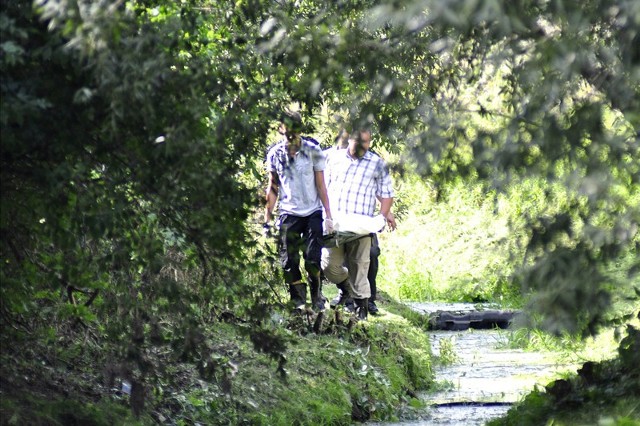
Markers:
<point>328,225</point>
<point>391,221</point>
<point>266,230</point>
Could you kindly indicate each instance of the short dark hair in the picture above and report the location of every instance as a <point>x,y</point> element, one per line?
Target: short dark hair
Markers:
<point>291,119</point>
<point>340,136</point>
<point>357,135</point>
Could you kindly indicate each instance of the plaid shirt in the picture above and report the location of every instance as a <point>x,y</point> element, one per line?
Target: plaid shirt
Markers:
<point>353,184</point>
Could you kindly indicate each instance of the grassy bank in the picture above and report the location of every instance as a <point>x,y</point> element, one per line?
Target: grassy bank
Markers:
<point>344,373</point>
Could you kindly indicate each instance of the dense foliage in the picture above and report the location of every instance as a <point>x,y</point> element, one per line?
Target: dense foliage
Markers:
<point>131,131</point>
<point>121,157</point>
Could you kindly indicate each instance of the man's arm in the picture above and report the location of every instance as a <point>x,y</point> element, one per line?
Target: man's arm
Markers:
<point>384,194</point>
<point>385,210</point>
<point>271,196</point>
<point>322,192</point>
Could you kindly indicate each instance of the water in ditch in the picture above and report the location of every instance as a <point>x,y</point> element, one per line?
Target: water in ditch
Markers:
<point>484,378</point>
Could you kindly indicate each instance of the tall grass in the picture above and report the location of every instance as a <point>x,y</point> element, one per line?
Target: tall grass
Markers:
<point>456,249</point>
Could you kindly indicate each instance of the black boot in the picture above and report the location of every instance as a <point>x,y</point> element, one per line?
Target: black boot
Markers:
<point>342,297</point>
<point>317,299</point>
<point>298,294</point>
<point>349,306</point>
<point>373,308</point>
<point>362,309</point>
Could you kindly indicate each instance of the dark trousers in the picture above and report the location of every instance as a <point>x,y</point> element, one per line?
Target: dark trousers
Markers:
<point>300,234</point>
<point>373,266</point>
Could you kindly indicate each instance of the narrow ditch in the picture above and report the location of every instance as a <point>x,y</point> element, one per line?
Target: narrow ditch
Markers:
<point>483,378</point>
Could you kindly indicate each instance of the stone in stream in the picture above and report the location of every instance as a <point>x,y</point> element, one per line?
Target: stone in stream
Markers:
<point>481,320</point>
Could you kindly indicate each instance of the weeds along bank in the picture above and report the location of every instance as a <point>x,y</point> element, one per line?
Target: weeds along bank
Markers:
<point>345,372</point>
<point>454,245</point>
<point>460,243</point>
<point>368,371</point>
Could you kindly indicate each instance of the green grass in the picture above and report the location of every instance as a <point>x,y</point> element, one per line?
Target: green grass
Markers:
<point>366,371</point>
<point>538,409</point>
<point>372,368</point>
<point>23,409</point>
<point>457,250</point>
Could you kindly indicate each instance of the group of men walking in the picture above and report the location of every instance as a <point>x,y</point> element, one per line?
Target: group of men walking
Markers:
<point>348,180</point>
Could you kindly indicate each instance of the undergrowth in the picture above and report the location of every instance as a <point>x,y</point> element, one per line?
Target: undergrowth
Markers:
<point>342,372</point>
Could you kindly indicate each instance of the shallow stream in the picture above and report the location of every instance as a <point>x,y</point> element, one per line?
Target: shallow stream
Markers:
<point>485,378</point>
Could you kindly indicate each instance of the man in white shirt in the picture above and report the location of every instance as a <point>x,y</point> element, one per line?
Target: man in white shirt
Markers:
<point>295,168</point>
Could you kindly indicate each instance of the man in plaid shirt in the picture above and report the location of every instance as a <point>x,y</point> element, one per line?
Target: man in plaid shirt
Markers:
<point>356,180</point>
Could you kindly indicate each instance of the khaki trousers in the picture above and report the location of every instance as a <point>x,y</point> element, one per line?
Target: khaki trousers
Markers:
<point>356,256</point>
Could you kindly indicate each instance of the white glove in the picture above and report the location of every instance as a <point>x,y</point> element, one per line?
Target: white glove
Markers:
<point>328,226</point>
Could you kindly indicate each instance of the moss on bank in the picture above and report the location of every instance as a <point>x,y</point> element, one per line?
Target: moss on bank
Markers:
<point>347,372</point>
